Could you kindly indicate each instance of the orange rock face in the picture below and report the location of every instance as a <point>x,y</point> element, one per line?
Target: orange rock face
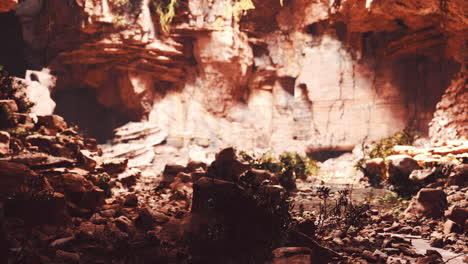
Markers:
<point>7,5</point>
<point>302,75</point>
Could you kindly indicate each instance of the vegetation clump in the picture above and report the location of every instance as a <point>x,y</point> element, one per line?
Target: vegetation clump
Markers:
<point>384,148</point>
<point>288,166</point>
<point>125,11</point>
<point>337,211</point>
<point>165,9</point>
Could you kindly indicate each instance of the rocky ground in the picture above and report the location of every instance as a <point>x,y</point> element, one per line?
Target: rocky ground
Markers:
<point>62,202</point>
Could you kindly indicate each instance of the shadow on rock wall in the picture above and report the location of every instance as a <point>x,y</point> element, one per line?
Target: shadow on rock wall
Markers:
<point>80,107</point>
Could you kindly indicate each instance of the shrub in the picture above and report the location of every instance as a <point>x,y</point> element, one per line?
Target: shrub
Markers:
<point>288,166</point>
<point>339,212</point>
<point>384,148</point>
<point>125,11</point>
<point>165,9</point>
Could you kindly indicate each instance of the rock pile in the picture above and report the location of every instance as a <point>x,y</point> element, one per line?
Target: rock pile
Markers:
<point>410,168</point>
<point>84,208</point>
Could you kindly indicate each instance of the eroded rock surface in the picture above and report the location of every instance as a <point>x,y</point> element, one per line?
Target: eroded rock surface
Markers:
<point>225,77</point>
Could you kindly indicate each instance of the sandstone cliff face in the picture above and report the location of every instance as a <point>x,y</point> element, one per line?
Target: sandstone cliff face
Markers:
<point>451,117</point>
<point>306,74</point>
<point>6,6</point>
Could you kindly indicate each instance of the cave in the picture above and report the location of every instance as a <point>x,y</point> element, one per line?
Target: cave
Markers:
<point>80,107</point>
<point>12,45</point>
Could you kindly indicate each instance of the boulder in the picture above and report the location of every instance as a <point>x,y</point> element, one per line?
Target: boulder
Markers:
<point>24,121</point>
<point>170,171</point>
<point>424,176</point>
<point>11,104</point>
<point>428,202</point>
<point>87,230</point>
<point>87,159</point>
<point>124,224</point>
<point>129,177</point>
<point>375,167</point>
<point>4,143</point>
<point>92,198</point>
<point>114,166</point>
<point>457,214</point>
<point>195,166</point>
<point>78,190</point>
<point>400,168</point>
<point>181,187</point>
<point>458,176</point>
<point>52,124</point>
<point>228,222</point>
<point>452,227</point>
<point>226,166</point>
<point>131,200</point>
<point>12,176</point>
<point>45,143</point>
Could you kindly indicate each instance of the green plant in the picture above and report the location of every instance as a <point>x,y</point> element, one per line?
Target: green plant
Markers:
<point>337,211</point>
<point>288,166</point>
<point>165,9</point>
<point>125,12</point>
<point>382,149</point>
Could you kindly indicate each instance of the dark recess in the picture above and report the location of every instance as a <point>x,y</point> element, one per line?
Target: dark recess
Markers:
<point>80,107</point>
<point>12,45</point>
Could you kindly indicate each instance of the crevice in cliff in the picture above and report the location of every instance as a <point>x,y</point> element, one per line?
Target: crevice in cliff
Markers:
<point>12,46</point>
<point>80,107</point>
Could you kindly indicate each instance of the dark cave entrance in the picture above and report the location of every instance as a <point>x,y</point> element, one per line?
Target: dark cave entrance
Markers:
<point>12,45</point>
<point>80,107</point>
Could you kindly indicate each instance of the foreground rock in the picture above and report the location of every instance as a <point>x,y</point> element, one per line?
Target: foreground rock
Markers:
<point>428,202</point>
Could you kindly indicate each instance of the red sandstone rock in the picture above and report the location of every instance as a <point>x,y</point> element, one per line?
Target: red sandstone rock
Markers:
<point>428,202</point>
<point>52,124</point>
<point>4,143</point>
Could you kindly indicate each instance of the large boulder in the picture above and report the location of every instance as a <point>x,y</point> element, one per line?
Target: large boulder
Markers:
<point>13,176</point>
<point>458,176</point>
<point>78,190</point>
<point>375,167</point>
<point>229,222</point>
<point>457,214</point>
<point>170,171</point>
<point>226,166</point>
<point>237,213</point>
<point>400,168</point>
<point>51,124</point>
<point>428,202</point>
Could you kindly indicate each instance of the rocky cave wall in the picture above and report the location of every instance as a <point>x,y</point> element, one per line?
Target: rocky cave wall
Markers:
<point>303,75</point>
